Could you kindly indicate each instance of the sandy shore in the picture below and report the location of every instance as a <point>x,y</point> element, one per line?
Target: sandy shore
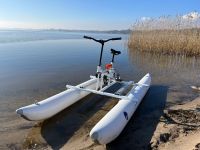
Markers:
<point>177,127</point>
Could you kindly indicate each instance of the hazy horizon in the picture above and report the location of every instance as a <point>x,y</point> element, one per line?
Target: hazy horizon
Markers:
<point>63,29</point>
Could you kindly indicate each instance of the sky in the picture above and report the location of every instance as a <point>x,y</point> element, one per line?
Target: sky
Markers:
<point>87,14</point>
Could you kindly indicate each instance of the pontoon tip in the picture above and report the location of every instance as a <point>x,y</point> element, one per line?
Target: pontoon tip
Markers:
<point>148,74</point>
<point>19,111</point>
<point>94,137</point>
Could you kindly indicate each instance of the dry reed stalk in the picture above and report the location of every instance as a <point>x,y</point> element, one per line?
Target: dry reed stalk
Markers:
<point>166,36</point>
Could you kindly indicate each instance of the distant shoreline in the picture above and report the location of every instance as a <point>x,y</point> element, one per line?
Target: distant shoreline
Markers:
<point>125,31</point>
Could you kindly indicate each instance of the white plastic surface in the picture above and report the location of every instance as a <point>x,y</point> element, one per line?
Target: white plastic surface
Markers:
<point>52,105</point>
<point>112,124</point>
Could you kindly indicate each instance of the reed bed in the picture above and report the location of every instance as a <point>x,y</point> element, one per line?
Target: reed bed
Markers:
<point>166,35</point>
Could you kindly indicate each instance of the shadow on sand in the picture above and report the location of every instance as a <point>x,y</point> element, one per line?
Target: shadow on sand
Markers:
<point>60,128</point>
<point>139,131</point>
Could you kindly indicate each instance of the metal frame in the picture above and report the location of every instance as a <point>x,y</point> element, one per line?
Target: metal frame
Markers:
<point>97,92</point>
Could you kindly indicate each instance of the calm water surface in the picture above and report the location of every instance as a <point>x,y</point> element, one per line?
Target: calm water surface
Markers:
<point>37,64</point>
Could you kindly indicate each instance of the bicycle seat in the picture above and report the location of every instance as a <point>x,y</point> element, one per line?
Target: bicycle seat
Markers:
<point>114,52</point>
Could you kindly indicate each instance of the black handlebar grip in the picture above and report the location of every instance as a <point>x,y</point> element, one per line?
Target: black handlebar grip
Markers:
<point>119,38</point>
<point>87,37</point>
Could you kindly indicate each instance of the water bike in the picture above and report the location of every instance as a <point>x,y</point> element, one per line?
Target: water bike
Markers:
<point>112,124</point>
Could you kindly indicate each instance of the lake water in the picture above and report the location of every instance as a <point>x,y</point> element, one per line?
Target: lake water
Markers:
<point>37,64</point>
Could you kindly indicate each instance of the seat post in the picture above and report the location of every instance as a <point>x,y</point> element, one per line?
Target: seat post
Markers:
<point>114,52</point>
<point>113,58</point>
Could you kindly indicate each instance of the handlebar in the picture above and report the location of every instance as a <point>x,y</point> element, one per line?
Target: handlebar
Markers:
<point>87,37</point>
<point>119,38</point>
<point>102,44</point>
<point>101,41</point>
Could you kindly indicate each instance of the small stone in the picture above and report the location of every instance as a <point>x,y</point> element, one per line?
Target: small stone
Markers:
<point>164,137</point>
<point>198,146</point>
